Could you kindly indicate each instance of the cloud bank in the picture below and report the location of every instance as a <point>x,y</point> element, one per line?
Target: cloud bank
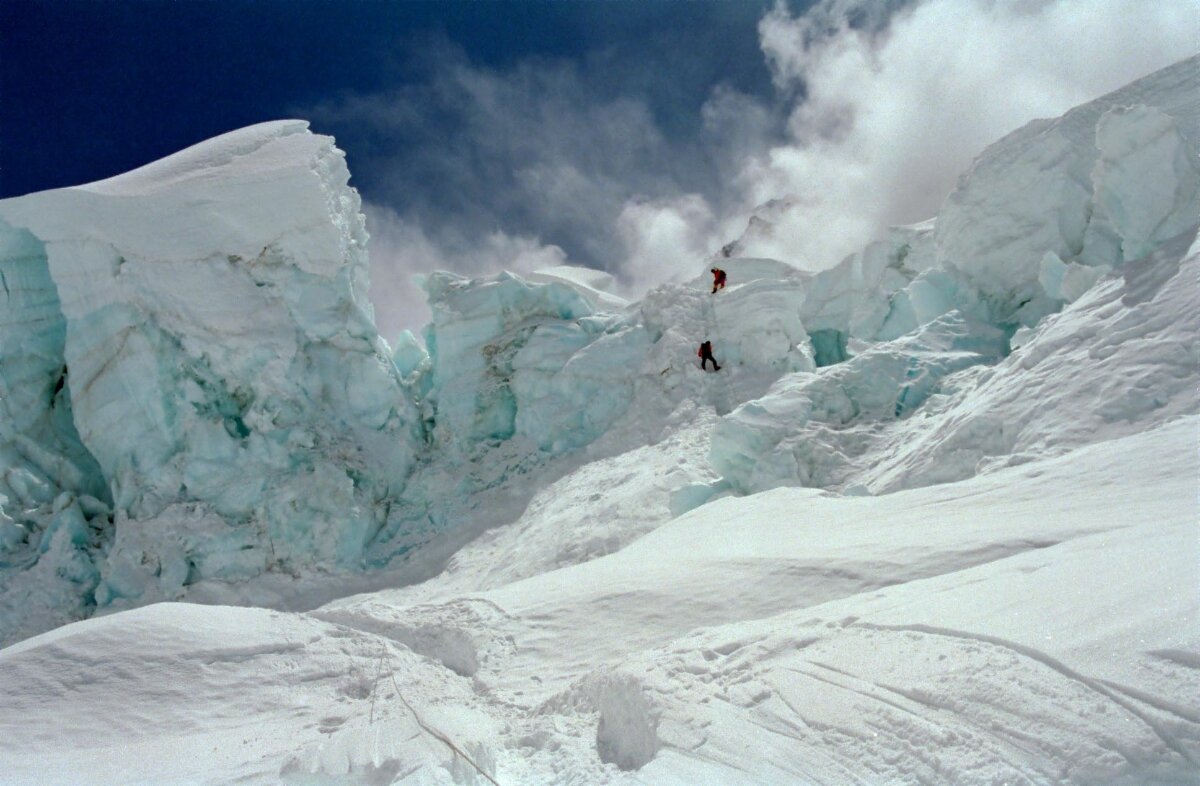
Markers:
<point>872,111</point>
<point>896,106</point>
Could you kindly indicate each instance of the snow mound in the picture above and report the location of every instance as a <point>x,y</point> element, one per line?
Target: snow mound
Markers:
<point>329,704</point>
<point>627,735</point>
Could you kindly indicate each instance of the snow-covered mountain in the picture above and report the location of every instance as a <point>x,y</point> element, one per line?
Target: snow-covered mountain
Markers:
<point>934,521</point>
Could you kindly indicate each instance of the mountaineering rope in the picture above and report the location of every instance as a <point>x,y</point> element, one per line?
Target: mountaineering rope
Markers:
<point>438,734</point>
<point>715,330</point>
<point>427,729</point>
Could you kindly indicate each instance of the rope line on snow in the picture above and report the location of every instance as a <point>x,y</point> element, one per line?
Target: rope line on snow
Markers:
<point>714,327</point>
<point>424,727</point>
<point>434,733</point>
<point>375,683</point>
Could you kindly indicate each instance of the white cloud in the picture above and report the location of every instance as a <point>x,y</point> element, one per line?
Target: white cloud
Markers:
<point>400,250</point>
<point>891,112</point>
<point>664,239</point>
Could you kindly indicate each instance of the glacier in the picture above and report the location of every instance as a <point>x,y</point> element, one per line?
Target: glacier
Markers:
<point>581,557</point>
<point>196,407</point>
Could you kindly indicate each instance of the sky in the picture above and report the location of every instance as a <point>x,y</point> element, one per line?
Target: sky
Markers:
<point>634,137</point>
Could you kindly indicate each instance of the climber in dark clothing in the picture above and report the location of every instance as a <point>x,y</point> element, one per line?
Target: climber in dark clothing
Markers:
<point>718,279</point>
<point>705,354</point>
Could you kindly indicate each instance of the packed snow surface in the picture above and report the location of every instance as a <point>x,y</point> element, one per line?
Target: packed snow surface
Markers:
<point>985,631</point>
<point>933,521</point>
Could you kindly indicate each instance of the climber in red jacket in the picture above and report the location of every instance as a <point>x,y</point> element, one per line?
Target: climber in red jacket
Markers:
<point>718,279</point>
<point>705,354</point>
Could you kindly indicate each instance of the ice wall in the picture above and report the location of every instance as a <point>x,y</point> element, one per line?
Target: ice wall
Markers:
<point>221,361</point>
<point>515,359</point>
<point>518,372</point>
<point>523,360</point>
<point>1102,185</point>
<point>193,391</point>
<point>54,503</point>
<point>527,377</point>
<point>1112,188</point>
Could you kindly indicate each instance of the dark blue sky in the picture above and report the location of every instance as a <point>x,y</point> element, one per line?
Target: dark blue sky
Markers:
<point>92,89</point>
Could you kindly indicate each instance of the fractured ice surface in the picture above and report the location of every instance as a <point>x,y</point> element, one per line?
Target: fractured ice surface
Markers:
<point>523,372</point>
<point>54,503</point>
<point>1112,189</point>
<point>1059,186</point>
<point>223,363</point>
<point>802,431</point>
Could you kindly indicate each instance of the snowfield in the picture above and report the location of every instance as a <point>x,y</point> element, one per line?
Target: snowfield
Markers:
<point>936,520</point>
<point>1039,624</point>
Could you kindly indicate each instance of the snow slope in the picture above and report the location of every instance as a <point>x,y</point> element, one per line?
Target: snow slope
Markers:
<point>979,632</point>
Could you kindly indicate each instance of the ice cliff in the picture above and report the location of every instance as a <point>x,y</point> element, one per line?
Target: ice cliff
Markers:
<point>188,350</point>
<point>194,394</point>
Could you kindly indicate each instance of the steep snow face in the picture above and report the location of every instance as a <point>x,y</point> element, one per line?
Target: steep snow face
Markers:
<point>224,370</point>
